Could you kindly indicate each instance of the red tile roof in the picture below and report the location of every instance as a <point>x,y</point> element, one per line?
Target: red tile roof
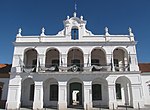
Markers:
<point>5,68</point>
<point>144,67</point>
<point>2,65</point>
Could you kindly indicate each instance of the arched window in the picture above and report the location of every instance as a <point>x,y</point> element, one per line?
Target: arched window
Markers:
<point>96,92</point>
<point>31,92</point>
<point>118,91</point>
<point>74,34</point>
<point>54,92</point>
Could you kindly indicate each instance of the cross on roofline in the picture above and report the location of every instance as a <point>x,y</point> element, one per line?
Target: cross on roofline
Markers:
<point>75,6</point>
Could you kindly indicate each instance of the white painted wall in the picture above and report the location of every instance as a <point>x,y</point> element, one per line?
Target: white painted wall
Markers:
<point>146,89</point>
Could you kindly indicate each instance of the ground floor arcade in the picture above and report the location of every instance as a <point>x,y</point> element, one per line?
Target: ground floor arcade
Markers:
<point>86,91</point>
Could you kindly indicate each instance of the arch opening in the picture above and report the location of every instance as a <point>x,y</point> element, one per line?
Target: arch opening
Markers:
<point>50,90</point>
<point>121,60</point>
<point>30,59</point>
<point>52,59</point>
<point>123,91</point>
<point>100,93</point>
<point>98,58</point>
<point>75,93</point>
<point>75,58</point>
<point>27,93</point>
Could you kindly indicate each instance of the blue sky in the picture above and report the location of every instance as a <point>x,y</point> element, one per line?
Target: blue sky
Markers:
<point>32,15</point>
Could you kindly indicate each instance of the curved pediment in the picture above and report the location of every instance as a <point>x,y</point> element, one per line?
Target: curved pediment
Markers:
<point>77,23</point>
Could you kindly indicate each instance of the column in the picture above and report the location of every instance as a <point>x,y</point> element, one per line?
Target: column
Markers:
<point>14,93</point>
<point>134,63</point>
<point>137,96</point>
<point>87,95</point>
<point>87,60</point>
<point>63,60</point>
<point>41,61</point>
<point>38,96</point>
<point>112,96</point>
<point>109,61</point>
<point>126,61</point>
<point>62,96</point>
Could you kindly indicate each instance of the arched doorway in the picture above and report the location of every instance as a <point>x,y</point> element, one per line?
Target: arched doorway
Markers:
<point>50,90</point>
<point>75,93</point>
<point>75,57</point>
<point>27,93</point>
<point>100,92</point>
<point>123,91</point>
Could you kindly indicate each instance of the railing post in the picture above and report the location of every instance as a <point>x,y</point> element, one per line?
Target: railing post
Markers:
<point>100,107</point>
<point>86,107</point>
<point>113,106</point>
<point>138,106</point>
<point>126,106</point>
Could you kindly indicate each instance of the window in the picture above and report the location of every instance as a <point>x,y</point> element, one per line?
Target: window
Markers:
<point>31,92</point>
<point>74,34</point>
<point>54,92</point>
<point>56,64</point>
<point>118,91</point>
<point>96,92</point>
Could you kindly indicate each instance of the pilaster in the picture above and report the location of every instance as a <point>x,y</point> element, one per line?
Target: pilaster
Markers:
<point>112,96</point>
<point>14,94</point>
<point>137,96</point>
<point>87,95</point>
<point>62,100</point>
<point>87,60</point>
<point>38,96</point>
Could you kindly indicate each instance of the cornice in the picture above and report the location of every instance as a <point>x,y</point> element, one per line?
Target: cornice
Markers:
<point>88,43</point>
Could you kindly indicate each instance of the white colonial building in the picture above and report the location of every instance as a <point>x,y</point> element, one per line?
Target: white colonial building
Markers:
<point>75,68</point>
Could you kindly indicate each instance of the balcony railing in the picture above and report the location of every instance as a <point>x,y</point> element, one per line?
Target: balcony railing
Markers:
<point>74,68</point>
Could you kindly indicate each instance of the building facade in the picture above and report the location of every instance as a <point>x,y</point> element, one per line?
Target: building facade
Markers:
<point>75,68</point>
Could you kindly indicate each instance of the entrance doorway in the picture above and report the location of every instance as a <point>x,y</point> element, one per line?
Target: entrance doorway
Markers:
<point>75,98</point>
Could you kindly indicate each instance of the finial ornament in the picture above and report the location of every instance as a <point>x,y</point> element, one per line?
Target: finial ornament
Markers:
<point>130,32</point>
<point>19,32</point>
<point>106,31</point>
<point>81,17</point>
<point>74,14</point>
<point>68,17</point>
<point>43,32</point>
